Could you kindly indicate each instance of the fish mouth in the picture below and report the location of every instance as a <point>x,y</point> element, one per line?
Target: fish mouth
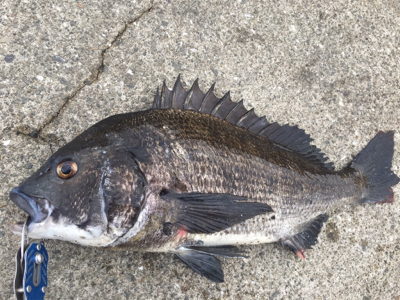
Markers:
<point>39,209</point>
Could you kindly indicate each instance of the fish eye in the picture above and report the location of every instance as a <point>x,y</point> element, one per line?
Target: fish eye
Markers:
<point>67,169</point>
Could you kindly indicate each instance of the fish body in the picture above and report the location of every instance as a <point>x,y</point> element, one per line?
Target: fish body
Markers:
<point>196,176</point>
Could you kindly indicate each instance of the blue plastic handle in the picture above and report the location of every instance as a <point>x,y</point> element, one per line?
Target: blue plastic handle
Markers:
<point>35,275</point>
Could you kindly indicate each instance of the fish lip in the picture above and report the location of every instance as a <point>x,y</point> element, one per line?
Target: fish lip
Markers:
<point>39,209</point>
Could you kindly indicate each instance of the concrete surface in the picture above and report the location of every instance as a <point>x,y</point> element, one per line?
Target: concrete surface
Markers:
<point>332,67</point>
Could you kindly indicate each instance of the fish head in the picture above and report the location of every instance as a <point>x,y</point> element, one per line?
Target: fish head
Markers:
<point>89,197</point>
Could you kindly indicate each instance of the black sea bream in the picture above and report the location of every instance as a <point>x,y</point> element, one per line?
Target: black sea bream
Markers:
<point>196,176</point>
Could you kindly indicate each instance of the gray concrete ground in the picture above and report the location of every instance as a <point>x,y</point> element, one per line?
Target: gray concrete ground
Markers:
<point>332,67</point>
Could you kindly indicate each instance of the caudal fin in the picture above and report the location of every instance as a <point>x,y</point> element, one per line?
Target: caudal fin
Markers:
<point>374,163</point>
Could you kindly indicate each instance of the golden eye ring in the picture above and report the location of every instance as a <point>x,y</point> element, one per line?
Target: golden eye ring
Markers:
<point>67,169</point>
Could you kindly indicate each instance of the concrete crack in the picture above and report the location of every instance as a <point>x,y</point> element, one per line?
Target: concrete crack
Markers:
<point>94,77</point>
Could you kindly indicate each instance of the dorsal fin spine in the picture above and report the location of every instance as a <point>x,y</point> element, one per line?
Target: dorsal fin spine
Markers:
<point>221,102</point>
<point>262,131</point>
<point>261,119</point>
<point>156,99</point>
<point>253,123</point>
<point>186,103</point>
<point>244,116</point>
<point>209,92</point>
<point>237,105</point>
<point>177,82</point>
<point>163,94</point>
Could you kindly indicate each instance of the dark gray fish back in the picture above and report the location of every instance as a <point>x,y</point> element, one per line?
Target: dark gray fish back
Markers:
<point>291,137</point>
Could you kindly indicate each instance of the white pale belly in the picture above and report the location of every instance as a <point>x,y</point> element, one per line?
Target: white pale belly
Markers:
<point>223,239</point>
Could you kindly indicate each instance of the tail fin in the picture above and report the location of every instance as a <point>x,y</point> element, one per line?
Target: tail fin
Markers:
<point>374,163</point>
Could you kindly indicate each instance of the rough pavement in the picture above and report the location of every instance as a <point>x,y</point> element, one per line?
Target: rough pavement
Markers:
<point>332,68</point>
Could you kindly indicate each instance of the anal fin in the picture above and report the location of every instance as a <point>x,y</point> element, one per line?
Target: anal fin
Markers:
<point>306,238</point>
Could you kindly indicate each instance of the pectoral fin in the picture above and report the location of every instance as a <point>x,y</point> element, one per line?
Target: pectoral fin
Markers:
<point>208,213</point>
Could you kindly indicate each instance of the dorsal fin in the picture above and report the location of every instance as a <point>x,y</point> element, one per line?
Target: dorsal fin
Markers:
<point>291,137</point>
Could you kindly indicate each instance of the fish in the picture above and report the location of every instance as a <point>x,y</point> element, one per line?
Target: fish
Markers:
<point>196,176</point>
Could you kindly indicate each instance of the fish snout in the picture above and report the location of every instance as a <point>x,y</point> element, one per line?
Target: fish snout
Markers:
<point>37,208</point>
